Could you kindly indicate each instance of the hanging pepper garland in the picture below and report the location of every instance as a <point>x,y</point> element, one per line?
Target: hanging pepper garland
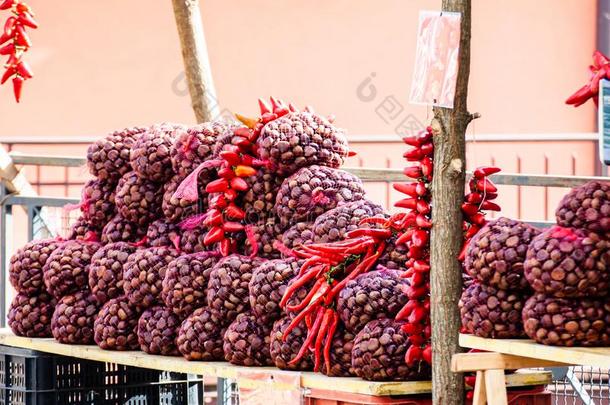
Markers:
<point>14,42</point>
<point>330,266</point>
<point>600,69</point>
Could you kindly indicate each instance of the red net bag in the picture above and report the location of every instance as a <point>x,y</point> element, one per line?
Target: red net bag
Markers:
<point>195,145</point>
<point>138,200</point>
<point>200,336</point>
<point>162,233</point>
<point>186,282</point>
<point>314,190</point>
<point>115,325</point>
<point>228,285</point>
<point>150,154</point>
<point>143,275</point>
<point>67,269</point>
<point>587,206</point>
<point>157,331</point>
<point>72,321</point>
<point>177,208</point>
<point>108,158</point>
<point>30,316</point>
<point>247,341</point>
<point>334,224</point>
<point>25,268</point>
<point>379,354</point>
<point>97,203</point>
<point>106,270</point>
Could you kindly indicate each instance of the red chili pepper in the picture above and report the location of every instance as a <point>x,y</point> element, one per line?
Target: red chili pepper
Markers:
<point>373,232</point>
<point>22,38</point>
<point>462,254</point>
<point>405,237</point>
<point>423,222</point>
<point>418,279</point>
<point>17,86</point>
<point>6,4</point>
<point>301,305</point>
<point>213,218</point>
<point>474,198</point>
<point>263,106</point>
<point>296,285</point>
<point>421,266</point>
<point>406,310</point>
<point>326,319</point>
<point>225,247</point>
<point>3,39</point>
<point>472,230</point>
<point>234,212</point>
<point>420,238</point>
<point>490,206</point>
<point>232,227</point>
<point>313,332</point>
<point>417,315</point>
<point>411,329</point>
<point>485,171</point>
<point>26,19</point>
<point>217,186</point>
<point>417,340</point>
<point>230,194</point>
<point>329,340</point>
<point>9,26</point>
<point>24,8</point>
<point>413,355</point>
<point>427,166</point>
<point>581,95</point>
<point>7,49</point>
<point>10,71</point>
<point>427,148</point>
<point>413,140</point>
<point>469,209</point>
<point>415,293</point>
<point>408,203</point>
<point>373,220</point>
<point>244,171</point>
<point>231,157</point>
<point>427,354</point>
<point>470,380</point>
<point>415,252</point>
<point>409,189</point>
<point>415,172</point>
<point>485,186</point>
<point>239,184</point>
<point>226,173</point>
<point>421,189</point>
<point>216,234</point>
<point>414,155</point>
<point>478,219</point>
<point>218,201</point>
<point>24,70</point>
<point>423,207</point>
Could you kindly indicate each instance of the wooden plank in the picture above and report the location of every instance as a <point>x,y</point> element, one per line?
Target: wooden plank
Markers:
<point>490,361</point>
<point>495,387</point>
<point>224,370</point>
<point>15,180</point>
<point>479,397</point>
<point>581,356</point>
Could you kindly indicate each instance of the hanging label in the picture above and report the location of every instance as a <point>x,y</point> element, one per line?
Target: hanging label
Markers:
<point>436,59</point>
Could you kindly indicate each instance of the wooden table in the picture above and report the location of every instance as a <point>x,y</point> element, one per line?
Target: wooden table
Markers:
<point>250,377</point>
<point>507,354</point>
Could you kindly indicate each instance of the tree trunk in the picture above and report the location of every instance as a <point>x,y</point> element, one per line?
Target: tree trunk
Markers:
<point>449,127</point>
<point>196,62</point>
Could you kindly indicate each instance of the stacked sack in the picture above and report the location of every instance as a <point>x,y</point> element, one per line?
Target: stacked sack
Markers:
<point>491,305</point>
<point>568,267</point>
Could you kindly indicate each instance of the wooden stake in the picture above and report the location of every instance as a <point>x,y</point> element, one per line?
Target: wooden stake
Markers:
<point>449,127</point>
<point>196,62</point>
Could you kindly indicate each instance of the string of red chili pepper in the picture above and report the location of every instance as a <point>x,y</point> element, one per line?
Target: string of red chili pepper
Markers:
<point>16,42</point>
<point>236,162</point>
<point>482,192</point>
<point>415,227</point>
<point>329,266</point>
<point>600,69</point>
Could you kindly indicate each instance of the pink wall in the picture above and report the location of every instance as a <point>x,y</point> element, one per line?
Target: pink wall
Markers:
<point>105,64</point>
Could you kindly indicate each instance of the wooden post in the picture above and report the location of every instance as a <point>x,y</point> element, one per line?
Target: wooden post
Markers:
<point>449,127</point>
<point>196,62</point>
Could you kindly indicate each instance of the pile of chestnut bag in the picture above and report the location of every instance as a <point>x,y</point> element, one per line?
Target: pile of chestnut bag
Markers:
<point>568,267</point>
<point>139,268</point>
<point>551,285</point>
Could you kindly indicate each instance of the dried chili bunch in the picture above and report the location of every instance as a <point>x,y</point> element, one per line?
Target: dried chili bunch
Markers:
<point>15,42</point>
<point>600,69</point>
<point>330,266</point>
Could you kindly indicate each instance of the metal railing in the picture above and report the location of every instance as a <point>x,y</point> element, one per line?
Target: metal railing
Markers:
<point>572,383</point>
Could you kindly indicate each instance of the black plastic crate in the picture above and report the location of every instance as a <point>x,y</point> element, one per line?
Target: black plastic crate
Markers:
<point>29,377</point>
